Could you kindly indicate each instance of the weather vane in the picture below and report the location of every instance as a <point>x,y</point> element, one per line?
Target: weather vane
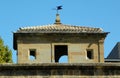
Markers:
<point>57,20</point>
<point>58,8</point>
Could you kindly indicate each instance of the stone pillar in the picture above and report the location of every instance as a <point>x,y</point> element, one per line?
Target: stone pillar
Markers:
<point>52,53</point>
<point>101,51</point>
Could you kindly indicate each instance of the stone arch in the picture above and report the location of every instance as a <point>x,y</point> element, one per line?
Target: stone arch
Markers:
<point>63,59</point>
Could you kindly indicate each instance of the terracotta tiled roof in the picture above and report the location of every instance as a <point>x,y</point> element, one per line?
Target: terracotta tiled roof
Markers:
<point>59,28</point>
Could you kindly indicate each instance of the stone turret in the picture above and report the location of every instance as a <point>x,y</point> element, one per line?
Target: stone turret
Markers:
<point>48,43</point>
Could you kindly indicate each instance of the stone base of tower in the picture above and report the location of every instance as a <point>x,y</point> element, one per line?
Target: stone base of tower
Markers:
<point>60,70</point>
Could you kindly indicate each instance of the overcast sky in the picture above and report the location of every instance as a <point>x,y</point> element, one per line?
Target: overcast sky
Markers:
<point>104,14</point>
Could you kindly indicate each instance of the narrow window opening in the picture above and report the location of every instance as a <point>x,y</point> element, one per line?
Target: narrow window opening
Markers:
<point>32,54</point>
<point>90,54</point>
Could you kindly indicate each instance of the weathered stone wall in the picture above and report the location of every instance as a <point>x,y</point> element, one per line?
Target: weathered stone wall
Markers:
<point>44,45</point>
<point>55,70</point>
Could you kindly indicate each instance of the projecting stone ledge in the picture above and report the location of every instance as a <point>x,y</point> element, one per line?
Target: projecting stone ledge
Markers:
<point>58,64</point>
<point>60,70</point>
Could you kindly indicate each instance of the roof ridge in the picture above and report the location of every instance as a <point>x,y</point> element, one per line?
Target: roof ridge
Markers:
<point>46,25</point>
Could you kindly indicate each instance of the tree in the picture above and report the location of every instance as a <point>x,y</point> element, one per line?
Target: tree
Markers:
<point>5,53</point>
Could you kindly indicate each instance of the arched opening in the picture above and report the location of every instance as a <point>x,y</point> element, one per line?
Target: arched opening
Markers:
<point>32,54</point>
<point>32,58</point>
<point>60,50</point>
<point>63,59</point>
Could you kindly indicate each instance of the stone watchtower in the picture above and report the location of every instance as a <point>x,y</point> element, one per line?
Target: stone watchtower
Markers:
<point>48,43</point>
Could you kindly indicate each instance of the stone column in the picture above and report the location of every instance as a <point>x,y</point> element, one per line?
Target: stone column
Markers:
<point>101,51</point>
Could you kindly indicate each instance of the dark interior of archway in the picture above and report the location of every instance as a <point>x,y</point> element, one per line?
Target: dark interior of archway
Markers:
<point>60,50</point>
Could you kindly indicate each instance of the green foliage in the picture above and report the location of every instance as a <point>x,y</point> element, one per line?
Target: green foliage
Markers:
<point>5,53</point>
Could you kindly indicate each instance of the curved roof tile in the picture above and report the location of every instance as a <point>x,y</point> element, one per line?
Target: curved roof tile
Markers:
<point>59,28</point>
